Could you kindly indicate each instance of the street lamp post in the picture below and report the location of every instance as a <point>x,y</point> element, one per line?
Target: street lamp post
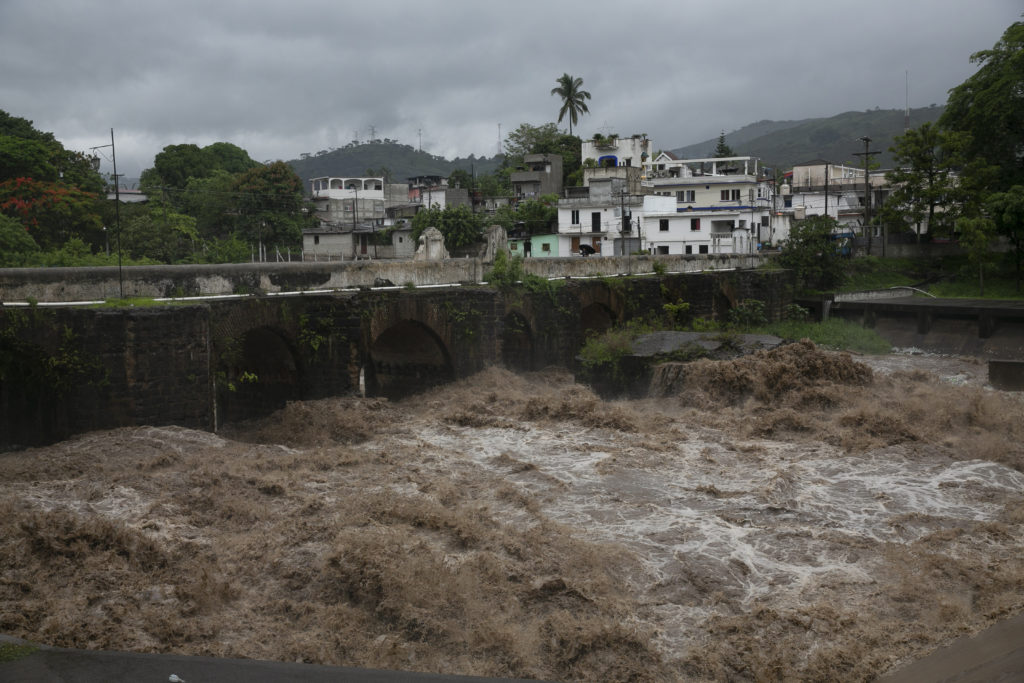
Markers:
<point>117,207</point>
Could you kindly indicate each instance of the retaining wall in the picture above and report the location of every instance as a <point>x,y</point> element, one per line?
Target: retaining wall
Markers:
<point>98,284</point>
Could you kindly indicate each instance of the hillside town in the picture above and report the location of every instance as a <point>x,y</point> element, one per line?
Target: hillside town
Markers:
<point>631,201</point>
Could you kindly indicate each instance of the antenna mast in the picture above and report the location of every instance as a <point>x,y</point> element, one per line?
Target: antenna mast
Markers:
<point>906,113</point>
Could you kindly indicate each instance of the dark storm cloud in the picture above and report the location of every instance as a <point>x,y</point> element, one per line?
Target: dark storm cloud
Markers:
<point>279,79</point>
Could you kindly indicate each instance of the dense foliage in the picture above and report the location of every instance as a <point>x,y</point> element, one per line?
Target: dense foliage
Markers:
<point>459,225</point>
<point>989,105</point>
<point>812,254</point>
<point>49,193</point>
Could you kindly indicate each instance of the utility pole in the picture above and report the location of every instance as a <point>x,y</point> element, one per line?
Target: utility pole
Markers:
<point>867,154</point>
<point>826,190</point>
<point>117,206</point>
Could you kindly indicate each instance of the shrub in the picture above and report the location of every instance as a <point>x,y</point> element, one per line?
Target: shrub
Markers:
<point>749,313</point>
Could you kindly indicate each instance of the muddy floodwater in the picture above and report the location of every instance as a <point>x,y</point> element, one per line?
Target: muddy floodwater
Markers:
<point>792,515</point>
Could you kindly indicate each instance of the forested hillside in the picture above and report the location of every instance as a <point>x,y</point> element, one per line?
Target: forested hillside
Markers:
<point>785,143</point>
<point>401,161</point>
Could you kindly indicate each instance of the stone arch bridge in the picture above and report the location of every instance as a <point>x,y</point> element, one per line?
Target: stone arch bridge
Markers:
<point>70,370</point>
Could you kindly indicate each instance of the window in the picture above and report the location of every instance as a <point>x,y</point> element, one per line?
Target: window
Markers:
<point>703,248</point>
<point>730,195</point>
<point>545,247</point>
<point>513,246</point>
<point>575,219</point>
<point>694,224</point>
<point>663,250</point>
<point>686,196</point>
<point>595,221</point>
<point>689,248</point>
<point>663,225</point>
<point>316,239</point>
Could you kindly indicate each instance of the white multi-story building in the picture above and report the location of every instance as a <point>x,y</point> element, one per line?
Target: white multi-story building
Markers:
<point>821,188</point>
<point>591,218</point>
<point>351,212</point>
<point>718,205</point>
<point>614,151</point>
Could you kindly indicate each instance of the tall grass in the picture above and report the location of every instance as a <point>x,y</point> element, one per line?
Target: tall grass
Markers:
<point>834,334</point>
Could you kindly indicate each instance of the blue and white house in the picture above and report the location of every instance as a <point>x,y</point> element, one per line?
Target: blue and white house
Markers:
<point>717,205</point>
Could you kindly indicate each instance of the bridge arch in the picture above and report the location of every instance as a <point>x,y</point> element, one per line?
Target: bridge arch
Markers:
<point>517,344</point>
<point>601,307</point>
<point>406,358</point>
<point>256,373</point>
<point>597,317</point>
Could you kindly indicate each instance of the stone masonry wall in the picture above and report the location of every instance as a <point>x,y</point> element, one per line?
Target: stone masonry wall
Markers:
<point>67,370</point>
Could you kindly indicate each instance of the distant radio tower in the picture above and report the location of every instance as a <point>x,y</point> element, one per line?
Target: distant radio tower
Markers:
<point>419,132</point>
<point>499,137</point>
<point>906,112</point>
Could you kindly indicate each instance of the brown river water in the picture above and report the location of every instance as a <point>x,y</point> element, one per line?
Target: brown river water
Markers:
<point>792,515</point>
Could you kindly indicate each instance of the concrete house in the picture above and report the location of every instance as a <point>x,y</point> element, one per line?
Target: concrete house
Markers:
<point>722,205</point>
<point>821,188</point>
<point>591,218</point>
<point>543,176</point>
<point>353,215</point>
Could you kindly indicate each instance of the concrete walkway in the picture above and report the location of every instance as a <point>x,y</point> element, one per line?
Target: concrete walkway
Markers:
<point>60,665</point>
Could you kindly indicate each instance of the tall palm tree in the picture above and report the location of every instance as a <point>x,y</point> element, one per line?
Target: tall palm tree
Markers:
<point>573,98</point>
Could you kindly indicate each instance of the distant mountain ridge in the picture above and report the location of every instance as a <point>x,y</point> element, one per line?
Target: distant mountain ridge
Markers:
<point>403,161</point>
<point>779,144</point>
<point>782,144</point>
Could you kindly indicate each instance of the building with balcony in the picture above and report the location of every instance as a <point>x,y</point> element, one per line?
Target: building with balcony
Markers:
<point>821,188</point>
<point>604,217</point>
<point>543,175</point>
<point>721,205</point>
<point>354,215</point>
<point>611,151</point>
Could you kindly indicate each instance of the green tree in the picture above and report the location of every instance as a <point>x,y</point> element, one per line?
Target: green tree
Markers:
<point>224,156</point>
<point>811,253</point>
<point>493,185</point>
<point>159,234</point>
<point>29,153</point>
<point>574,98</point>
<point>459,225</point>
<point>21,158</point>
<point>51,212</point>
<point>460,178</point>
<point>17,127</point>
<point>721,149</point>
<point>15,243</point>
<point>212,201</point>
<point>269,205</point>
<point>990,106</point>
<point>535,216</point>
<point>976,237</point>
<point>175,164</point>
<point>1006,209</point>
<point>926,188</point>
<point>543,139</point>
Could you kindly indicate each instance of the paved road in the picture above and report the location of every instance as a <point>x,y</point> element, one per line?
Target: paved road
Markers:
<point>59,665</point>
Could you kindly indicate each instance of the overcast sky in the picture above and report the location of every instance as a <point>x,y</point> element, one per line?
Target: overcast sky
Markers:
<point>282,78</point>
